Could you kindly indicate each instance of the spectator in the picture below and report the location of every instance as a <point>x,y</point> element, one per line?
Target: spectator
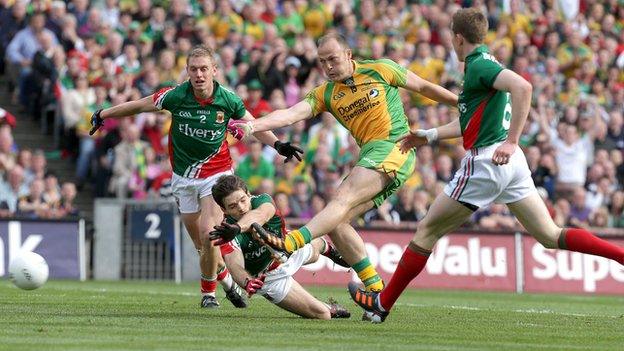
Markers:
<point>254,167</point>
<point>579,212</point>
<point>256,104</point>
<point>496,217</point>
<point>300,198</point>
<point>12,188</point>
<point>129,166</point>
<point>21,51</point>
<point>11,22</point>
<point>33,205</point>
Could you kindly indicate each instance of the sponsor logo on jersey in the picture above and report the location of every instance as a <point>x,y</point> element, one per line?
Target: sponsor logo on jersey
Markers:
<point>370,161</point>
<point>220,117</point>
<point>373,93</point>
<point>339,96</point>
<point>350,82</point>
<point>188,130</point>
<point>357,107</point>
<point>250,255</point>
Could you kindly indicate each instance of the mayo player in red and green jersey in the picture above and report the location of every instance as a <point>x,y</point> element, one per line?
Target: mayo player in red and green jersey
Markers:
<point>253,265</point>
<point>200,110</point>
<point>364,97</point>
<point>493,105</point>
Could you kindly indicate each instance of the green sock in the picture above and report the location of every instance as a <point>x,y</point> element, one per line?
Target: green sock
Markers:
<point>368,275</point>
<point>297,239</point>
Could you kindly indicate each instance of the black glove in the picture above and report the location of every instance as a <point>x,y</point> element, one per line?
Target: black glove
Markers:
<point>224,233</point>
<point>287,150</point>
<point>96,121</point>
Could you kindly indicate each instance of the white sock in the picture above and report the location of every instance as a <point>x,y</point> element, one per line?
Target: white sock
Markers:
<point>227,282</point>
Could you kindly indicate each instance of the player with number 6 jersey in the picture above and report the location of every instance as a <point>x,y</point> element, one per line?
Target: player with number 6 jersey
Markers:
<point>200,110</point>
<point>494,106</point>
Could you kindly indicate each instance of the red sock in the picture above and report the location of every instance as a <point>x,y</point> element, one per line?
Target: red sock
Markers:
<point>411,264</point>
<point>581,240</point>
<point>221,275</point>
<point>208,286</point>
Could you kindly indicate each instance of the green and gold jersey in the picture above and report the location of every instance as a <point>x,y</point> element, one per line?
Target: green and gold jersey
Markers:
<point>257,257</point>
<point>197,145</point>
<point>367,104</point>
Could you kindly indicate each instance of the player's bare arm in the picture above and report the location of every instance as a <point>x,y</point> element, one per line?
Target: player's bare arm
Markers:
<point>266,137</point>
<point>420,137</point>
<point>520,91</point>
<point>236,265</point>
<point>129,108</point>
<point>259,215</point>
<point>433,91</point>
<point>279,118</point>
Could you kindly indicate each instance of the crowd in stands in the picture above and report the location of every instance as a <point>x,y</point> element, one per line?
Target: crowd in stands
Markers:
<point>27,188</point>
<point>88,55</point>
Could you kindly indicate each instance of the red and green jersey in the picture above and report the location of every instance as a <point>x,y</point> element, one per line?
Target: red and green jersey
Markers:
<point>257,257</point>
<point>197,145</point>
<point>367,104</point>
<point>485,113</point>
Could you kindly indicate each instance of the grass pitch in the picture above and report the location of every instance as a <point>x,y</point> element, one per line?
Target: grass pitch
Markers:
<point>67,315</point>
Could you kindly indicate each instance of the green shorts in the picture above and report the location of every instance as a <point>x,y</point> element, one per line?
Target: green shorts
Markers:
<point>385,156</point>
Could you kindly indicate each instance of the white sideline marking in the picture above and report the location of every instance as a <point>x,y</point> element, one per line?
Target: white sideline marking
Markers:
<point>528,311</point>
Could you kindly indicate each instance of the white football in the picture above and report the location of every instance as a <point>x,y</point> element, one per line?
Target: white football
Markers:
<point>28,270</point>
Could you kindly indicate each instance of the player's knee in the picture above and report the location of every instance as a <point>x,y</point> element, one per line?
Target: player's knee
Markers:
<point>423,231</point>
<point>549,238</point>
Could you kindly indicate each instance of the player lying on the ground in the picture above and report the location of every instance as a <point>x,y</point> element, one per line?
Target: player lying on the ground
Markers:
<point>254,265</point>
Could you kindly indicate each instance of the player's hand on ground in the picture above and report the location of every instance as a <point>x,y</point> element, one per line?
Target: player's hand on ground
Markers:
<point>503,153</point>
<point>235,130</point>
<point>96,121</point>
<point>414,139</point>
<point>224,233</point>
<point>288,150</point>
<point>253,285</point>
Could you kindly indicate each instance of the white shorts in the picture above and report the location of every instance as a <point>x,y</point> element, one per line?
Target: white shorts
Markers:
<point>278,282</point>
<point>479,182</point>
<point>188,191</point>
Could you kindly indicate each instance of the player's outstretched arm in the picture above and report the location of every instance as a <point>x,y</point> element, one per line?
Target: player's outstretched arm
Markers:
<point>235,262</point>
<point>129,108</point>
<point>259,215</point>
<point>279,118</point>
<point>521,90</point>
<point>420,137</point>
<point>430,90</point>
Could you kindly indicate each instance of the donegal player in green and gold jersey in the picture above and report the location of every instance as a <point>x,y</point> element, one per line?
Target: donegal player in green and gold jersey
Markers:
<point>200,110</point>
<point>364,97</point>
<point>493,107</point>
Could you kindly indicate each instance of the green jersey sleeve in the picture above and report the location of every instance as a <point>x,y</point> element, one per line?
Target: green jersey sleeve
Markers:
<point>486,71</point>
<point>236,104</point>
<point>316,99</point>
<point>239,108</point>
<point>258,200</point>
<point>162,98</point>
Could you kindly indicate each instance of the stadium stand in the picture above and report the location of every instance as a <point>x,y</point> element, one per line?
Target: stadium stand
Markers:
<point>64,60</point>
